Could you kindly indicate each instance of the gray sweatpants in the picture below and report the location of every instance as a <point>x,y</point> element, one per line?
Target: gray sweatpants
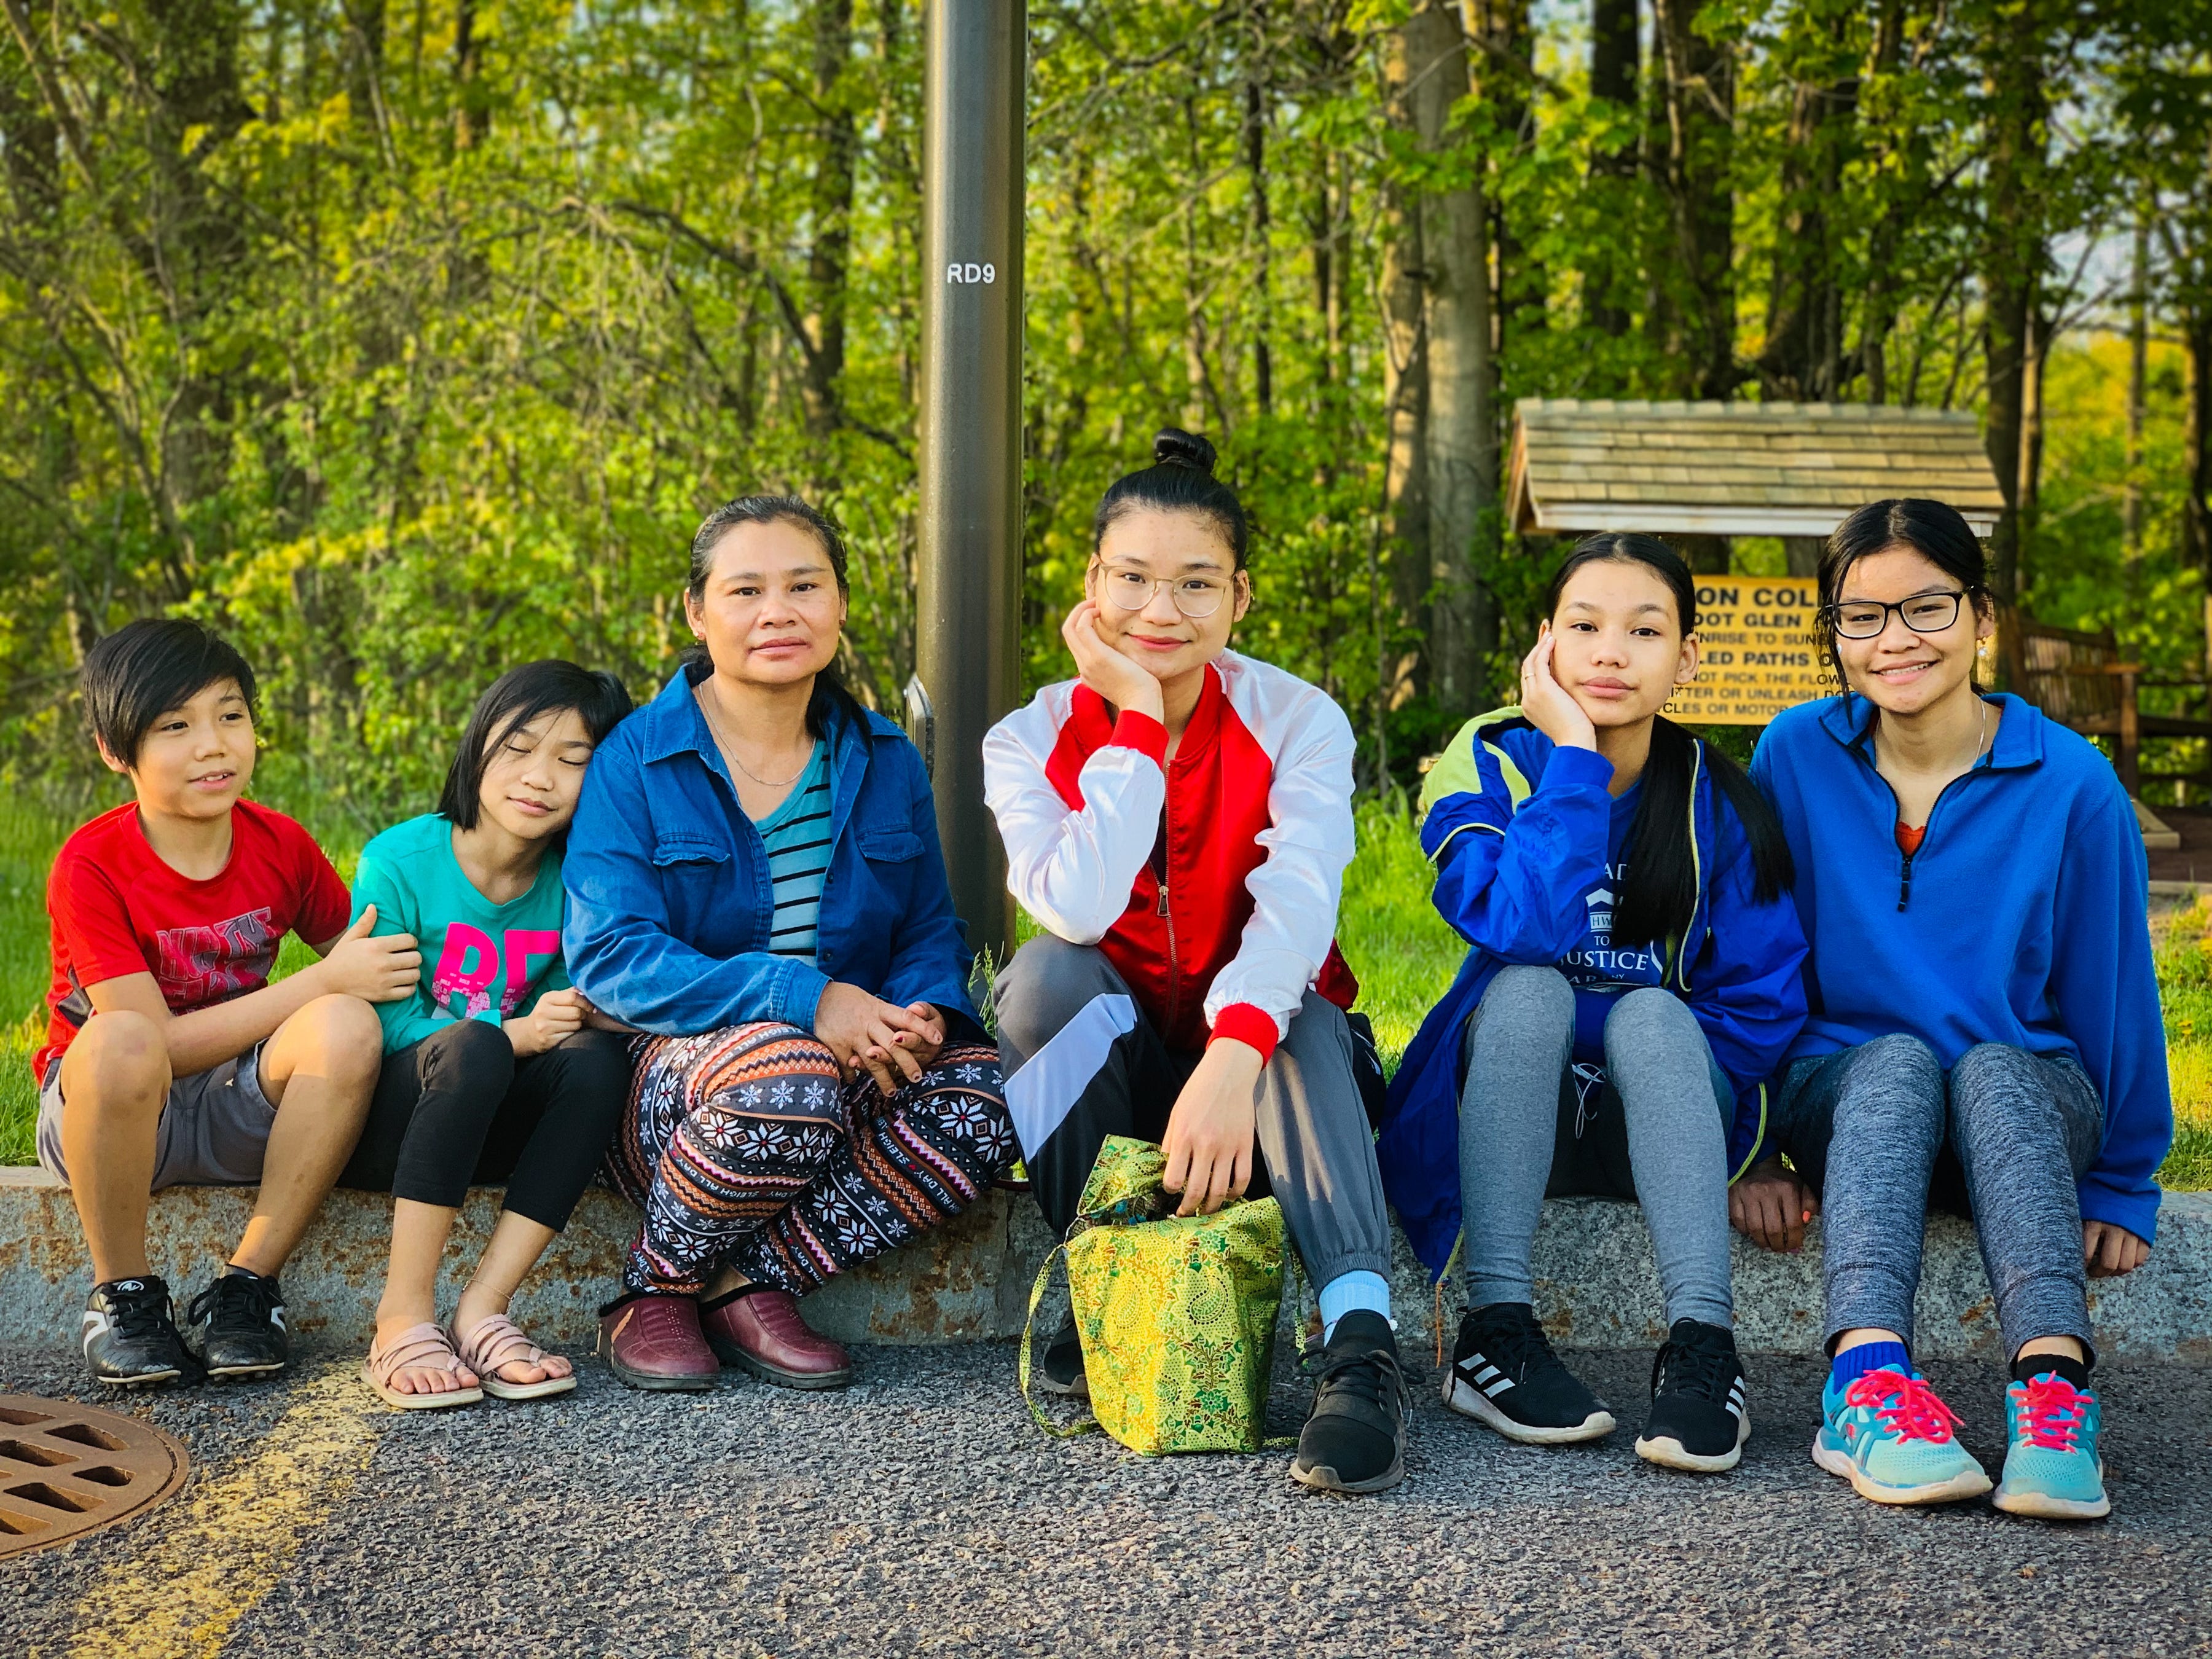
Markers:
<point>1083,1062</point>
<point>1864,1126</point>
<point>1519,1044</point>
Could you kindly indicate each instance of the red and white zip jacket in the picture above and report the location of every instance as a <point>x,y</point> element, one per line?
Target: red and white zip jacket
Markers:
<point>1258,832</point>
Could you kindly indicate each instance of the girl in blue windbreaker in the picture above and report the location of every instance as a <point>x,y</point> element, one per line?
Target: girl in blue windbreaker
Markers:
<point>1635,974</point>
<point>1984,1019</point>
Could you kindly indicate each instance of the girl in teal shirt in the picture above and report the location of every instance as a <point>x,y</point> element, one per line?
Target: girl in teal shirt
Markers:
<point>494,1069</point>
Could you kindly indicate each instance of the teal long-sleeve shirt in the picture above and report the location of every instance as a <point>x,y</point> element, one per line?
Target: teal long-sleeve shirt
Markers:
<point>480,960</point>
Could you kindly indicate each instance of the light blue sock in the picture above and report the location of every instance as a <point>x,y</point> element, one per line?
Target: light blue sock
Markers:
<point>1345,1292</point>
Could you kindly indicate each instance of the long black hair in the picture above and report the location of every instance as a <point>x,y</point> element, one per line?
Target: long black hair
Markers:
<point>829,692</point>
<point>510,702</point>
<point>1933,530</point>
<point>1179,480</point>
<point>1660,895</point>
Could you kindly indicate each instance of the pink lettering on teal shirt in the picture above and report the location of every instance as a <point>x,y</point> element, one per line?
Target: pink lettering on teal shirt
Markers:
<point>522,944</point>
<point>466,967</point>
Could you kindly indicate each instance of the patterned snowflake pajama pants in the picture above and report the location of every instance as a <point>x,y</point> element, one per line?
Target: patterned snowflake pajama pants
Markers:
<point>744,1147</point>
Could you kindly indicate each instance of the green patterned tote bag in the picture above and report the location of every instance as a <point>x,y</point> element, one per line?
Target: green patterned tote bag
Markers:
<point>1176,1314</point>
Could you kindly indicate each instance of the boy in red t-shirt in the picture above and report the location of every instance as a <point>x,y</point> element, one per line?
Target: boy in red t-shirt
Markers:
<point>170,1058</point>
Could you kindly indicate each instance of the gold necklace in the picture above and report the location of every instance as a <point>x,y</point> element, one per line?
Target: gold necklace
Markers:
<point>730,750</point>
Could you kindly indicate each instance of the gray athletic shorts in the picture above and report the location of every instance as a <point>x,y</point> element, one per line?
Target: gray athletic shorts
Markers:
<point>211,1132</point>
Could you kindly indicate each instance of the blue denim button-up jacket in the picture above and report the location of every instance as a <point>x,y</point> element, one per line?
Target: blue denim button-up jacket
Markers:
<point>669,903</point>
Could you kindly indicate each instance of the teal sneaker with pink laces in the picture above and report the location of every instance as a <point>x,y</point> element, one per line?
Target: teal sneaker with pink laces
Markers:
<point>2052,1469</point>
<point>1890,1437</point>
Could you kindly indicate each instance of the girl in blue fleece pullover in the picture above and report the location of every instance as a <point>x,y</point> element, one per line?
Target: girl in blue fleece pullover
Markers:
<point>1983,1015</point>
<point>1634,976</point>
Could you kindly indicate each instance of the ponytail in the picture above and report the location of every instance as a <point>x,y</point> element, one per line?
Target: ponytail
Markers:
<point>1660,895</point>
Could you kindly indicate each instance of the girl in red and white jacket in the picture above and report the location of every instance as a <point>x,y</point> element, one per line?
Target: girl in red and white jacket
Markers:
<point>1179,819</point>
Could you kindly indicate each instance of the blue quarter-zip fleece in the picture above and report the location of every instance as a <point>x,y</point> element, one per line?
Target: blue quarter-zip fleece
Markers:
<point>1516,853</point>
<point>669,903</point>
<point>2021,919</point>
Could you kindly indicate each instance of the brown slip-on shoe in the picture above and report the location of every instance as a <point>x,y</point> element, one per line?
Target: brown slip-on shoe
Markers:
<point>654,1342</point>
<point>759,1328</point>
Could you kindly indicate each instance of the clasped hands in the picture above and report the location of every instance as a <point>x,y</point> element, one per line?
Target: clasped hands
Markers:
<point>891,1044</point>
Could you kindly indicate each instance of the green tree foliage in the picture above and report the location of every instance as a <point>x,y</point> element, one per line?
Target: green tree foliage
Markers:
<point>409,338</point>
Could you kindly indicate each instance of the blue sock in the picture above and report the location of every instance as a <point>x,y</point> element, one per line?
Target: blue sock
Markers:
<point>1852,1363</point>
<point>1347,1292</point>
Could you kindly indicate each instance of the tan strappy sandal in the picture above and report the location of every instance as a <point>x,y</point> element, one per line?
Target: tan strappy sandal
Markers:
<point>498,1341</point>
<point>419,1347</point>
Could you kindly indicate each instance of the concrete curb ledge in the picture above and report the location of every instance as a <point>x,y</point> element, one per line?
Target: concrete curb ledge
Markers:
<point>1596,1283</point>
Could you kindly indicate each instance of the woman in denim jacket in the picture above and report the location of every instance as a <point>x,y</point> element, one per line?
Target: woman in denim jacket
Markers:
<point>755,882</point>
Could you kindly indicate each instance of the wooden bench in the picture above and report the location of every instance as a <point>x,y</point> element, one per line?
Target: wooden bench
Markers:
<point>2079,679</point>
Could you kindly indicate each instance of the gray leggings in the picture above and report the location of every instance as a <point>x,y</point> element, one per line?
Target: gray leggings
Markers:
<point>1864,1126</point>
<point>1661,1069</point>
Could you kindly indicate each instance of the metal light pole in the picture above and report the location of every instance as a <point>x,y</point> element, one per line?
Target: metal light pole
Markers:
<point>968,578</point>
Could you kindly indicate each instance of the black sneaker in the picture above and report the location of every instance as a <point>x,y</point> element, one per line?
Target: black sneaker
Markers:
<point>1354,1440</point>
<point>131,1336</point>
<point>1505,1374</point>
<point>1698,1419</point>
<point>1060,1368</point>
<point>236,1326</point>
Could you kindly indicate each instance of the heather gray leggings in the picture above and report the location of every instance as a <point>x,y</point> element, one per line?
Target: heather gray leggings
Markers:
<point>1518,1045</point>
<point>1864,1126</point>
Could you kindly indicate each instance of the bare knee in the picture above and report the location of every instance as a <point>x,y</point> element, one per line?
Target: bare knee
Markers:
<point>118,1063</point>
<point>335,1037</point>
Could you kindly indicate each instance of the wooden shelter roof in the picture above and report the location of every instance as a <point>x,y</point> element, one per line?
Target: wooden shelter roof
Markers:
<point>1736,469</point>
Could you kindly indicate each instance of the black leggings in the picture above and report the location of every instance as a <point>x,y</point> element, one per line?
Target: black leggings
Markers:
<point>459,1108</point>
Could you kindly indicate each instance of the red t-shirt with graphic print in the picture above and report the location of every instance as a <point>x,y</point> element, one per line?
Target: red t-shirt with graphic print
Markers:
<point>117,908</point>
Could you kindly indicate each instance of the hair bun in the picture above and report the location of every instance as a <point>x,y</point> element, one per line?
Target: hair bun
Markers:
<point>1173,447</point>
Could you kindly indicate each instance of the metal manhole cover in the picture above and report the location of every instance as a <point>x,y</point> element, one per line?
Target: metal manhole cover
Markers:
<point>66,1470</point>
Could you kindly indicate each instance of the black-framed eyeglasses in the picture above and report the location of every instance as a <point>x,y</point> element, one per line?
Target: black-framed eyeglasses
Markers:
<point>1924,613</point>
<point>1130,589</point>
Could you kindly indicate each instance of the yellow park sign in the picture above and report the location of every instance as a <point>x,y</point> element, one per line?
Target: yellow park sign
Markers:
<point>1759,654</point>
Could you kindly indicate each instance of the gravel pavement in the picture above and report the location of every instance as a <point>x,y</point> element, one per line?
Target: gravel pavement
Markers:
<point>920,1511</point>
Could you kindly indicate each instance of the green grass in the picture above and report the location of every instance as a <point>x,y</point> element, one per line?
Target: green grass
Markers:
<point>1400,949</point>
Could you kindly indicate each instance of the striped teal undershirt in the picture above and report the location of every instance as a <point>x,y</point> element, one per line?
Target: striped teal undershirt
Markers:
<point>797,835</point>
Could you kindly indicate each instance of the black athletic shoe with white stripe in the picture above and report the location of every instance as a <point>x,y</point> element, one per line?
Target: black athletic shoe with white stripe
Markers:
<point>1505,1374</point>
<point>1698,1418</point>
<point>130,1337</point>
<point>235,1328</point>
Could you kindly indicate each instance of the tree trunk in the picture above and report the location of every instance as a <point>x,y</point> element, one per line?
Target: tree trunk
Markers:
<point>1803,359</point>
<point>2197,442</point>
<point>1804,553</point>
<point>1256,162</point>
<point>1461,446</point>
<point>1615,65</point>
<point>2012,260</point>
<point>472,108</point>
<point>2138,371</point>
<point>1405,364</point>
<point>830,256</point>
<point>1502,72</point>
<point>1698,95</point>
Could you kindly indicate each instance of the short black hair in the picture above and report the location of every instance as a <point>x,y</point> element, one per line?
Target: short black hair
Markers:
<point>515,699</point>
<point>146,668</point>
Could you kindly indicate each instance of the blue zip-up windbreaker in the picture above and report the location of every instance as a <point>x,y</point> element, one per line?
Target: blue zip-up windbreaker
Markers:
<point>1517,829</point>
<point>2021,919</point>
<point>670,904</point>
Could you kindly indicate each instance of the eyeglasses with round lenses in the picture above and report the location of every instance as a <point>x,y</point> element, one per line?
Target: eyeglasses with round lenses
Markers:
<point>1130,589</point>
<point>1924,613</point>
